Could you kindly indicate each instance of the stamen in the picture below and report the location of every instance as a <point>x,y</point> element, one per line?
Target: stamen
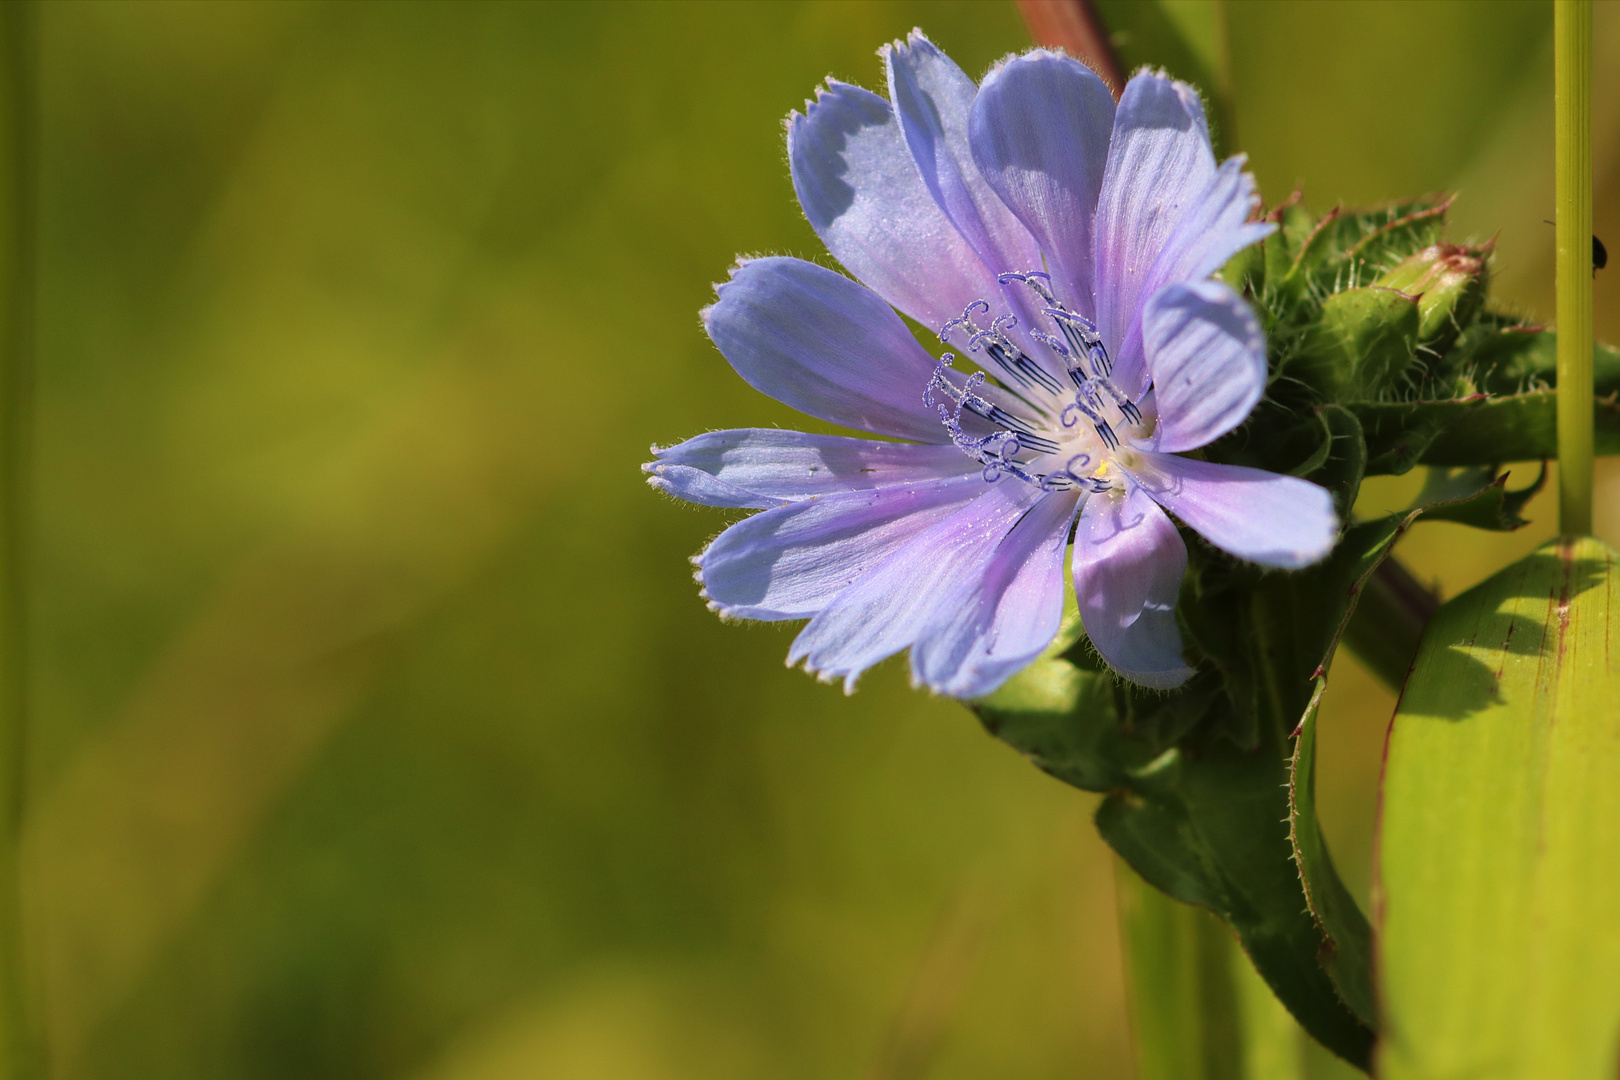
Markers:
<point>1039,283</point>
<point>1104,432</point>
<point>1126,405</point>
<point>1081,334</point>
<point>965,319</point>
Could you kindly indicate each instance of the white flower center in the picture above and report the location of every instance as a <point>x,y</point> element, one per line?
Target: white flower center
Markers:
<point>1060,434</point>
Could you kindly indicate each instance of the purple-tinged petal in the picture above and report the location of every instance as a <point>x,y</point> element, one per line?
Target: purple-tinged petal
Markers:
<point>1215,227</point>
<point>863,196</point>
<point>1208,357</point>
<point>789,562</point>
<point>1159,164</point>
<point>828,346</point>
<point>1040,129</point>
<point>1273,520</point>
<point>890,606</point>
<point>933,97</point>
<point>1128,565</point>
<point>1010,613</point>
<point>758,468</point>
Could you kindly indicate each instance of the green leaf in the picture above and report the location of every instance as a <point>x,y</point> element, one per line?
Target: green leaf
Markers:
<point>1470,496</point>
<point>1401,433</point>
<point>1347,951</point>
<point>1347,945</point>
<point>1498,898</point>
<point>1523,427</point>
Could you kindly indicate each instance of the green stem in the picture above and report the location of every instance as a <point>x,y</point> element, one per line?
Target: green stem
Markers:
<point>17,52</point>
<point>1572,34</point>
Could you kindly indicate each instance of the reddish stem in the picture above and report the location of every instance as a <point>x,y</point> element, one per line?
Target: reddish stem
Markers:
<point>1075,27</point>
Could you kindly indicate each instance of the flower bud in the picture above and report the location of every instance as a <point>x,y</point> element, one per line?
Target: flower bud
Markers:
<point>1449,284</point>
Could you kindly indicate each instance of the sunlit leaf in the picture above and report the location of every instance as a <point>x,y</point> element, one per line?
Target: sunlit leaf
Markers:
<point>1497,891</point>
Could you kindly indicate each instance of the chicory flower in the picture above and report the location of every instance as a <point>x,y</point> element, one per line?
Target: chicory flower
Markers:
<point>1064,246</point>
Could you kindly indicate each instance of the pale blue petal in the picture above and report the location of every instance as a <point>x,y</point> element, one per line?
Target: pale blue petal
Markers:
<point>890,606</point>
<point>933,98</point>
<point>828,346</point>
<point>862,193</point>
<point>789,562</point>
<point>758,468</point>
<point>1159,165</point>
<point>1040,129</point>
<point>1128,565</point>
<point>1273,520</point>
<point>1215,227</point>
<point>1207,353</point>
<point>1008,615</point>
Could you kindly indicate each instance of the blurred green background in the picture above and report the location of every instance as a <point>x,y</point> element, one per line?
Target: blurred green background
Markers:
<point>378,729</point>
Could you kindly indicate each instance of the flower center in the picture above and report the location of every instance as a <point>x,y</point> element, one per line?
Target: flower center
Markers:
<point>1061,434</point>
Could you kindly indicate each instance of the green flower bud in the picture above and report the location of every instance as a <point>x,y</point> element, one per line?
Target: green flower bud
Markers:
<point>1449,284</point>
<point>1361,343</point>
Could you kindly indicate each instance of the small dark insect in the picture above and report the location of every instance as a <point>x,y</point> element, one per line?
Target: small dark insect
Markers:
<point>1600,254</point>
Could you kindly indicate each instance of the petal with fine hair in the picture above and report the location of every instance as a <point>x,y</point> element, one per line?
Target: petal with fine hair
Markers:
<point>933,98</point>
<point>1128,565</point>
<point>1214,228</point>
<point>1207,353</point>
<point>1272,520</point>
<point>790,562</point>
<point>888,608</point>
<point>1040,129</point>
<point>1010,613</point>
<point>828,346</point>
<point>1159,164</point>
<point>758,468</point>
<point>862,194</point>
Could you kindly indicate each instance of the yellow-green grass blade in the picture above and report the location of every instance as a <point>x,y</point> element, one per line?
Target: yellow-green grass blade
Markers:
<point>1497,896</point>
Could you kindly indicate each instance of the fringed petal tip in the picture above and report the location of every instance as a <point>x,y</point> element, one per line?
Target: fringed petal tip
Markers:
<point>911,41</point>
<point>799,660</point>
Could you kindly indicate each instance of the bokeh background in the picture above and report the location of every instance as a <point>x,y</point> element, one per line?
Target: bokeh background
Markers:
<point>377,728</point>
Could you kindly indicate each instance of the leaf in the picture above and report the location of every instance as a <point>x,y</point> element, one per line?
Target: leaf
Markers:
<point>1347,951</point>
<point>1470,496</point>
<point>1400,434</point>
<point>1497,897</point>
<point>1347,943</point>
<point>1523,427</point>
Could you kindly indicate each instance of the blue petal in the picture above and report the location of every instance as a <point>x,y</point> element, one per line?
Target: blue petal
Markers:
<point>827,346</point>
<point>1215,227</point>
<point>894,602</point>
<point>1273,520</point>
<point>933,98</point>
<point>1159,164</point>
<point>1040,129</point>
<point>1009,614</point>
<point>1128,565</point>
<point>862,194</point>
<point>758,468</point>
<point>789,562</point>
<point>1208,357</point>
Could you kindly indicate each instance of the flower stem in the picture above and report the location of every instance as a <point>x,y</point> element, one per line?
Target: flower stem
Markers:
<point>17,57</point>
<point>1572,34</point>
